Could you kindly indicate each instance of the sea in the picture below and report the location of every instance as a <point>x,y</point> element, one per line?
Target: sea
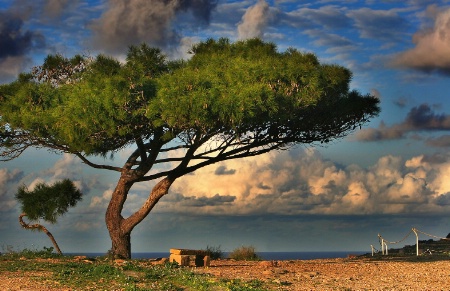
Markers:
<point>269,256</point>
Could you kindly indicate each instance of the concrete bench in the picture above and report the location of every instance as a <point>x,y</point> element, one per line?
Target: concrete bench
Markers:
<point>183,257</point>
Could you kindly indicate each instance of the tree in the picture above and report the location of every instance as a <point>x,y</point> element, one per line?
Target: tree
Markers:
<point>228,101</point>
<point>47,203</point>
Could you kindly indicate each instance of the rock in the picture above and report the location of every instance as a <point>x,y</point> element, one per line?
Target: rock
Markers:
<point>120,262</point>
<point>310,274</point>
<point>160,261</point>
<point>269,264</point>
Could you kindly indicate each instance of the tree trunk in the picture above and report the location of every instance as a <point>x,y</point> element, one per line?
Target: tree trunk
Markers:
<point>121,244</point>
<point>40,228</point>
<point>119,228</point>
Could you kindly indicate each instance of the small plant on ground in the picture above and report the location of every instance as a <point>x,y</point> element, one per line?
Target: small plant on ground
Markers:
<point>214,252</point>
<point>244,253</point>
<point>45,253</point>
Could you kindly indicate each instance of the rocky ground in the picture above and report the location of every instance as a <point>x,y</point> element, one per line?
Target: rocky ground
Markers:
<point>383,273</point>
<point>340,274</point>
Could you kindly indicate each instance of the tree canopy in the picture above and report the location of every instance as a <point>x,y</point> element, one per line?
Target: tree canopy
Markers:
<point>48,202</point>
<point>245,91</point>
<point>229,100</point>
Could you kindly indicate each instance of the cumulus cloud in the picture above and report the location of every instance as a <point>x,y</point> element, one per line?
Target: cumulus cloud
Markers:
<point>126,22</point>
<point>431,45</point>
<point>296,182</point>
<point>254,21</point>
<point>9,182</point>
<point>420,118</point>
<point>302,182</point>
<point>99,202</point>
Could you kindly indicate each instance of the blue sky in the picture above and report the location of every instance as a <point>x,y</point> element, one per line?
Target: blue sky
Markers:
<point>390,176</point>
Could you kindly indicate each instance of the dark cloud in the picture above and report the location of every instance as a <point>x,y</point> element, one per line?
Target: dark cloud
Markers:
<point>193,201</point>
<point>431,45</point>
<point>436,159</point>
<point>222,170</point>
<point>20,32</point>
<point>264,187</point>
<point>131,22</point>
<point>14,40</point>
<point>16,43</point>
<point>440,142</point>
<point>401,102</point>
<point>421,118</point>
<point>443,200</point>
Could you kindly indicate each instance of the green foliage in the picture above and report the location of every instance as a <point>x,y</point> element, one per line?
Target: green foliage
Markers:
<point>244,253</point>
<point>48,202</point>
<point>214,252</point>
<point>99,105</point>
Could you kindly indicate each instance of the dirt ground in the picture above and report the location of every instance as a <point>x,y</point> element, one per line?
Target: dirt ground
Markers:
<point>340,274</point>
<point>324,274</point>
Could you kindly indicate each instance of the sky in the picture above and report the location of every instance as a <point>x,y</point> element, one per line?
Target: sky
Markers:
<point>385,178</point>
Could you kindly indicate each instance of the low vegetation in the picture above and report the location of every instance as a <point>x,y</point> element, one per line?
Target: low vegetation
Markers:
<point>244,253</point>
<point>215,252</point>
<point>105,274</point>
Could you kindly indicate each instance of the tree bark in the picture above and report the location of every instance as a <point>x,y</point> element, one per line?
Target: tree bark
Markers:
<point>40,228</point>
<point>120,228</point>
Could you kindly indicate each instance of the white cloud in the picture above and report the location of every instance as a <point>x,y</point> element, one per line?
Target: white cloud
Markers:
<point>101,201</point>
<point>302,182</point>
<point>431,46</point>
<point>254,21</point>
<point>9,182</point>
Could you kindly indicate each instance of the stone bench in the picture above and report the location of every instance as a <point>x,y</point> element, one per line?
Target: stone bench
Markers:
<point>183,257</point>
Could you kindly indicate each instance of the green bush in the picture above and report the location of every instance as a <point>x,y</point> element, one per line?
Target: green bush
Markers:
<point>244,253</point>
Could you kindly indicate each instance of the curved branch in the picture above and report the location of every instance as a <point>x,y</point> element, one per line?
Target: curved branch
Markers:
<point>39,227</point>
<point>97,166</point>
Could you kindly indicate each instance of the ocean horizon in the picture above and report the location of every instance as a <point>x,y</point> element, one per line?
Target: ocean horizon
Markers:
<point>269,256</point>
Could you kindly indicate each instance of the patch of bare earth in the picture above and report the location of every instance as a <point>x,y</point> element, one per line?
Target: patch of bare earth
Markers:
<point>28,281</point>
<point>338,274</point>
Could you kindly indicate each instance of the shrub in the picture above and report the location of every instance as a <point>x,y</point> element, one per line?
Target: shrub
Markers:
<point>215,253</point>
<point>244,253</point>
